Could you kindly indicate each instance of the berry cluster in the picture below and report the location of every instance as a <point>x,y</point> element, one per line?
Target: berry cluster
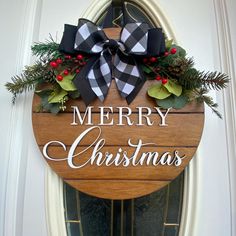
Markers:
<point>152,63</point>
<point>68,65</point>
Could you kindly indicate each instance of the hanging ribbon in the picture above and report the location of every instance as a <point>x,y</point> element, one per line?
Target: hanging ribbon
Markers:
<point>137,40</point>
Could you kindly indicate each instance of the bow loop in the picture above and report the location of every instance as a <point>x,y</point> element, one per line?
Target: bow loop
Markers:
<point>135,38</point>
<point>89,37</point>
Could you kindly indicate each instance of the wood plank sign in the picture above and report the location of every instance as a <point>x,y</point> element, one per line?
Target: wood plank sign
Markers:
<point>118,112</point>
<point>111,150</point>
<point>114,150</point>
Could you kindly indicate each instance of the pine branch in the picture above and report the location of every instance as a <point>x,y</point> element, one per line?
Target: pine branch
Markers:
<point>20,84</point>
<point>200,96</point>
<point>214,80</point>
<point>191,79</point>
<point>48,50</point>
<point>28,80</point>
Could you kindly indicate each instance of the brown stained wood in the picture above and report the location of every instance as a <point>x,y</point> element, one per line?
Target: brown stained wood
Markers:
<point>117,189</point>
<point>113,33</point>
<point>115,100</point>
<point>182,130</point>
<point>144,172</point>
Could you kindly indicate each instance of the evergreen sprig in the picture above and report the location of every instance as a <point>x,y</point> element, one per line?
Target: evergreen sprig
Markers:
<point>28,79</point>
<point>200,96</point>
<point>46,50</point>
<point>214,80</point>
<point>193,78</point>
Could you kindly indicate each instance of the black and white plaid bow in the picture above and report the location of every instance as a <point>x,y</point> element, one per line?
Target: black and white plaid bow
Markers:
<point>135,41</point>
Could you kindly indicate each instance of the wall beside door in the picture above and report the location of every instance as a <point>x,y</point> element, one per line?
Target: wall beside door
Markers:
<point>205,28</point>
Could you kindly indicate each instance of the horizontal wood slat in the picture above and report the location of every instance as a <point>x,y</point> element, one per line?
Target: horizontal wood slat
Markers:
<point>117,189</point>
<point>147,172</point>
<point>185,130</point>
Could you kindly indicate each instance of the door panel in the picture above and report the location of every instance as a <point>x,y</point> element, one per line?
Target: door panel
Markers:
<point>207,206</point>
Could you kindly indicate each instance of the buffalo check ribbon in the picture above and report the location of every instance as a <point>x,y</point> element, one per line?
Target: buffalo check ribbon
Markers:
<point>137,40</point>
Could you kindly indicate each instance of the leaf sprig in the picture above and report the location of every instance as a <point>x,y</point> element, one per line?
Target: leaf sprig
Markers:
<point>175,67</point>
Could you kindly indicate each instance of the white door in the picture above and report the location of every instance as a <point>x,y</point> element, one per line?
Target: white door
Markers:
<point>30,195</point>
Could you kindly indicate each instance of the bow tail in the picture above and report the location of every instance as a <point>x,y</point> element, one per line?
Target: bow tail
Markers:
<point>82,84</point>
<point>95,78</point>
<point>128,76</point>
<point>99,76</point>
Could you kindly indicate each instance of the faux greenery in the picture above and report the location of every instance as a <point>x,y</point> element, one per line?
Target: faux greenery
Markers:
<point>177,81</point>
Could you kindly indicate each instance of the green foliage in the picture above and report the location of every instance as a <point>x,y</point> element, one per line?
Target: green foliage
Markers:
<point>67,83</point>
<point>45,105</point>
<point>185,83</point>
<point>57,96</point>
<point>158,91</point>
<point>173,88</point>
<point>30,77</point>
<point>48,50</point>
<point>190,79</point>
<point>147,69</point>
<point>193,79</point>
<point>201,96</point>
<point>52,101</point>
<point>169,43</point>
<point>173,101</point>
<point>214,80</point>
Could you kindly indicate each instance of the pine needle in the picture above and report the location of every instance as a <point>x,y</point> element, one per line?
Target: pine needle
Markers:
<point>28,80</point>
<point>48,49</point>
<point>214,80</point>
<point>200,97</point>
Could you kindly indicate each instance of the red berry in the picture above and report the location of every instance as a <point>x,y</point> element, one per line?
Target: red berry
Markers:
<point>68,57</point>
<point>66,72</point>
<point>77,71</point>
<point>153,59</point>
<point>164,81</point>
<point>166,54</point>
<point>80,57</point>
<point>59,61</point>
<point>84,63</point>
<point>173,50</point>
<point>145,60</point>
<point>59,77</point>
<point>158,77</point>
<point>53,64</point>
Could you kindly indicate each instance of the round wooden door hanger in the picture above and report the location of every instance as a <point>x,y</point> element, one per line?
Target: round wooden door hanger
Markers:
<point>118,151</point>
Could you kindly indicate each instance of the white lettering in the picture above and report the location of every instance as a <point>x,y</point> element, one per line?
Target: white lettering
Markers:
<point>76,113</point>
<point>163,116</point>
<point>121,115</point>
<point>105,115</point>
<point>146,116</point>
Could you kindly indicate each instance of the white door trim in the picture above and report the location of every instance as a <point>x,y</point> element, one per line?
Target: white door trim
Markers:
<point>226,63</point>
<point>16,150</point>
